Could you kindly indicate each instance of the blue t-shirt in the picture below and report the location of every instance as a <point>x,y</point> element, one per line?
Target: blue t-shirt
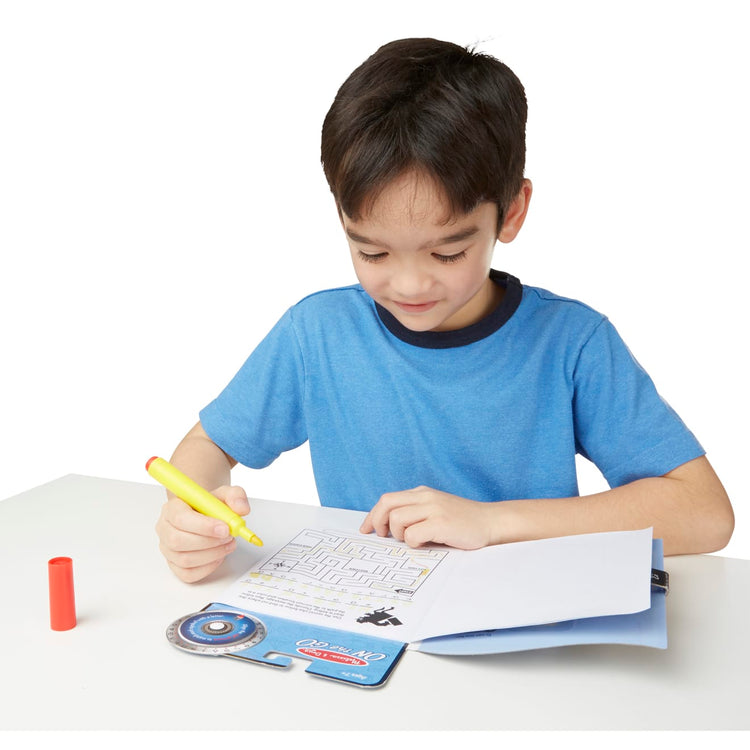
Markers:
<point>494,411</point>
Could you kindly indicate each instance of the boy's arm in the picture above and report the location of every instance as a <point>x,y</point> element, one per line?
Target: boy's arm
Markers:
<point>688,508</point>
<point>202,460</point>
<point>193,544</point>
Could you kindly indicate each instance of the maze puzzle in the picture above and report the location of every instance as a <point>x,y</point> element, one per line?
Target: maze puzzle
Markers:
<point>357,565</point>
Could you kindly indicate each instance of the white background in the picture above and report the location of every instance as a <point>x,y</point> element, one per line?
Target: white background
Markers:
<point>162,204</point>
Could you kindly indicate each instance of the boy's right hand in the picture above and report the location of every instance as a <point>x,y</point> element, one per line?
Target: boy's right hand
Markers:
<point>193,544</point>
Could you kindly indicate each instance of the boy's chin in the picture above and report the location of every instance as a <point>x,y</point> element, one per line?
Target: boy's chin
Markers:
<point>432,320</point>
<point>414,323</point>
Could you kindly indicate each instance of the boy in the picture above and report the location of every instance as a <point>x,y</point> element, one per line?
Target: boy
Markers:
<point>437,386</point>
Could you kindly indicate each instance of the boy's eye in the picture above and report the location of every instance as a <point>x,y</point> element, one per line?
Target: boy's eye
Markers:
<point>450,258</point>
<point>371,257</point>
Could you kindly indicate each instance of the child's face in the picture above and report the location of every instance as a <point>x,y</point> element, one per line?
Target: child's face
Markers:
<point>429,273</point>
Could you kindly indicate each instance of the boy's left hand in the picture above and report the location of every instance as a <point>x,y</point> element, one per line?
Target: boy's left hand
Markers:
<point>425,515</point>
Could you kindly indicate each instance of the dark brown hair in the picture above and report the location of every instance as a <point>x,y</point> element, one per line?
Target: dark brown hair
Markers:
<point>451,113</point>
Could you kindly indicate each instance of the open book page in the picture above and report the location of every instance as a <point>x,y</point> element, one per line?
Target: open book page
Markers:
<point>362,583</point>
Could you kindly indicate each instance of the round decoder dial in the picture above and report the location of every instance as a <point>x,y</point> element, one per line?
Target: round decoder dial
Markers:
<point>216,632</point>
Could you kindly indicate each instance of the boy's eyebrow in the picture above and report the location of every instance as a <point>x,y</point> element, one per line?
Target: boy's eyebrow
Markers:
<point>459,236</point>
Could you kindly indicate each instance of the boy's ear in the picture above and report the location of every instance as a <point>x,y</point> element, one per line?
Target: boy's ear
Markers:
<point>516,215</point>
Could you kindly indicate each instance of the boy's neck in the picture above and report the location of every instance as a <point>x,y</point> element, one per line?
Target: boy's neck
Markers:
<point>498,311</point>
<point>484,303</point>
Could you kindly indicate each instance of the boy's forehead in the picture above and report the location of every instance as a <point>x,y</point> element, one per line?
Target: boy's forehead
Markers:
<point>409,200</point>
<point>416,213</point>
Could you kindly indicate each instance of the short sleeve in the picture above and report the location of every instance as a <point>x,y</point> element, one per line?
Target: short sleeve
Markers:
<point>260,413</point>
<point>622,424</point>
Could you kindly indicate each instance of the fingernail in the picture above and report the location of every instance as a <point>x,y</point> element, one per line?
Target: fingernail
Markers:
<point>221,530</point>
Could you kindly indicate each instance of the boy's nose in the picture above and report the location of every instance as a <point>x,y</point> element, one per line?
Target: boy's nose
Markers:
<point>410,283</point>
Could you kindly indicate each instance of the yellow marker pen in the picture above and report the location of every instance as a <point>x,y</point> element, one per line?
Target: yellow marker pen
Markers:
<point>196,497</point>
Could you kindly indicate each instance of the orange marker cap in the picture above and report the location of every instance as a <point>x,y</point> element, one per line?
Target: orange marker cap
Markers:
<point>62,603</point>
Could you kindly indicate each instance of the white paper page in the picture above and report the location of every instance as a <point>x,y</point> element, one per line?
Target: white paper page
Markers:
<point>544,581</point>
<point>348,581</point>
<point>362,583</point>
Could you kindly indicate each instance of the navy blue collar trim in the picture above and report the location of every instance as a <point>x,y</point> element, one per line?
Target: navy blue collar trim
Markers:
<point>463,336</point>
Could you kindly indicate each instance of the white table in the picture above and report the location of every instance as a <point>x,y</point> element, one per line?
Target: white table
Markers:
<point>116,670</point>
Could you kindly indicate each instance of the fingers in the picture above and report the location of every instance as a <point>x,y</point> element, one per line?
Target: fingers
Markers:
<point>424,532</point>
<point>193,544</point>
<point>377,519</point>
<point>396,511</point>
<point>406,518</point>
<point>195,566</point>
<point>235,498</point>
<point>424,515</point>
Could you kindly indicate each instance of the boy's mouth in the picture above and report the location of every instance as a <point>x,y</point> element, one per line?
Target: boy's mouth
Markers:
<point>415,308</point>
